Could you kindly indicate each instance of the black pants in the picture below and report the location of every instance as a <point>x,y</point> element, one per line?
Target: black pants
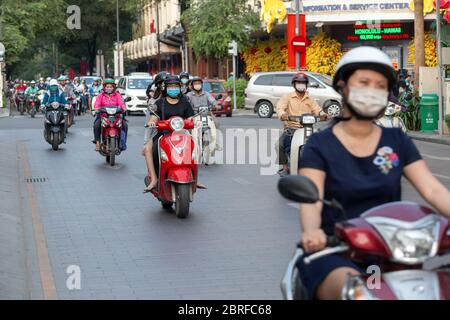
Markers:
<point>98,128</point>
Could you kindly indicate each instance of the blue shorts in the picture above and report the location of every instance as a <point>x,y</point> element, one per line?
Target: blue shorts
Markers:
<point>314,273</point>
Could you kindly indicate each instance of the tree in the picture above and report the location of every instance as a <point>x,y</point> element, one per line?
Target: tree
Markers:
<point>419,34</point>
<point>212,24</point>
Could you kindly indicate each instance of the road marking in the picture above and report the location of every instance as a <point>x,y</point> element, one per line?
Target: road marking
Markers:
<point>435,157</point>
<point>242,181</point>
<point>45,268</point>
<point>441,176</point>
<point>294,205</point>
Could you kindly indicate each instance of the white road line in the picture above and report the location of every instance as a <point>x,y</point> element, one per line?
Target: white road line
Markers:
<point>435,157</point>
<point>242,181</point>
<point>441,176</point>
<point>294,205</point>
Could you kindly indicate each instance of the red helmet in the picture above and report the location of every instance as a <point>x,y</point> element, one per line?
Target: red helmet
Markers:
<point>300,77</point>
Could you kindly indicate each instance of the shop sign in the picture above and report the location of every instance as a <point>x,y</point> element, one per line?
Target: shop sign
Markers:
<point>350,6</point>
<point>381,31</point>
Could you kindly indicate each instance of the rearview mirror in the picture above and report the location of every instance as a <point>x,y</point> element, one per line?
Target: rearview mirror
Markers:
<point>128,99</point>
<point>314,85</point>
<point>299,189</point>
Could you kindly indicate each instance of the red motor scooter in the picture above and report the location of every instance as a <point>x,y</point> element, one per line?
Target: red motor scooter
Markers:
<point>111,130</point>
<point>409,244</point>
<point>177,165</point>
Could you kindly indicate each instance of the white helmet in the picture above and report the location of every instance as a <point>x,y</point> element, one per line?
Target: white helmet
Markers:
<point>364,58</point>
<point>33,82</point>
<point>53,82</point>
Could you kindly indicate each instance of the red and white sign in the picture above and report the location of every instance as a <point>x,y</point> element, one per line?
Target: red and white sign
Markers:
<point>296,43</point>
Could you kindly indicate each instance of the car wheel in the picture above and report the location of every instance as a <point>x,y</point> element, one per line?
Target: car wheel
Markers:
<point>333,108</point>
<point>264,109</point>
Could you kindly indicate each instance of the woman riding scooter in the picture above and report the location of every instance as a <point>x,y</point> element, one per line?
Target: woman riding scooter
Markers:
<point>109,97</point>
<point>360,165</point>
<point>172,104</point>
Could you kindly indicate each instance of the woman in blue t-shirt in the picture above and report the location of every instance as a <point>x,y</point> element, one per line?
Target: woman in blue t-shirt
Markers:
<point>359,164</point>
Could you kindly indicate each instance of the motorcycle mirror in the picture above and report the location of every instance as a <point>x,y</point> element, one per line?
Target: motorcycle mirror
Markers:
<point>299,189</point>
<point>219,97</point>
<point>128,99</point>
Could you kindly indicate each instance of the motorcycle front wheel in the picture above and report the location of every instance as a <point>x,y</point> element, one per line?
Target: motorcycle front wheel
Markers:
<point>182,202</point>
<point>112,151</point>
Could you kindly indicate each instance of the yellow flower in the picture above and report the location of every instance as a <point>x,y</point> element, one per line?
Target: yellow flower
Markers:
<point>428,6</point>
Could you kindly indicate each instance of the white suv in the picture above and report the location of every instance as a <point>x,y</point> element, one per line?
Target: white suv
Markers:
<point>135,87</point>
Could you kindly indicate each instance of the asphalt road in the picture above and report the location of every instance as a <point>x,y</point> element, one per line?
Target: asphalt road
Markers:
<point>81,214</point>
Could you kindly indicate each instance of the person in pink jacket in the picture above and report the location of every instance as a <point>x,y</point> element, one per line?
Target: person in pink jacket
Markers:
<point>108,98</point>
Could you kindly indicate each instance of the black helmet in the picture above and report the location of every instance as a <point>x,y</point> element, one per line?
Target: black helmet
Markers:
<point>172,80</point>
<point>300,77</point>
<point>160,78</point>
<point>196,78</point>
<point>184,74</point>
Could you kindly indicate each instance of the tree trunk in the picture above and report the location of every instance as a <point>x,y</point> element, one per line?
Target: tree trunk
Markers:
<point>419,38</point>
<point>92,53</point>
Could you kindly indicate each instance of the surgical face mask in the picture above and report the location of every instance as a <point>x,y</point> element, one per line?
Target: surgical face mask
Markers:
<point>367,102</point>
<point>300,87</point>
<point>109,90</point>
<point>173,92</point>
<point>184,81</point>
<point>197,87</point>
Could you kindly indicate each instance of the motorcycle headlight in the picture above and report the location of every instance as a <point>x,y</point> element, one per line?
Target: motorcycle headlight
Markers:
<point>55,105</point>
<point>177,124</point>
<point>355,289</point>
<point>308,120</point>
<point>111,111</point>
<point>409,242</point>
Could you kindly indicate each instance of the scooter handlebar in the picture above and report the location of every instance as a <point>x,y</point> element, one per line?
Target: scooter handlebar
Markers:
<point>332,241</point>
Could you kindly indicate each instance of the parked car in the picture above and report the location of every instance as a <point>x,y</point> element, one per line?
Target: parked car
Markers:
<point>265,89</point>
<point>135,88</point>
<point>216,88</point>
<point>139,74</point>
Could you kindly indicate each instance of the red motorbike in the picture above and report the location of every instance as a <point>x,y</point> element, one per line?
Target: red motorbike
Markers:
<point>33,104</point>
<point>111,131</point>
<point>409,244</point>
<point>177,166</point>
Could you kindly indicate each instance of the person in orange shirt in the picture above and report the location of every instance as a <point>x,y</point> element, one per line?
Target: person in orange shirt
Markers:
<point>296,103</point>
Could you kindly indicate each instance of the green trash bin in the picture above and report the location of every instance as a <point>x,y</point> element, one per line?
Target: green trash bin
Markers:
<point>429,113</point>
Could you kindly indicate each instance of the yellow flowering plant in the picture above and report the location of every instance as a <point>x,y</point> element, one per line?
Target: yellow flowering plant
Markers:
<point>430,51</point>
<point>323,54</point>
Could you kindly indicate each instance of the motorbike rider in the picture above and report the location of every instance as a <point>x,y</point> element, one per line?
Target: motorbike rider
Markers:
<point>54,94</point>
<point>199,97</point>
<point>108,97</point>
<point>41,85</point>
<point>184,77</point>
<point>158,82</point>
<point>32,89</point>
<point>296,103</point>
<point>172,103</point>
<point>94,90</point>
<point>360,165</point>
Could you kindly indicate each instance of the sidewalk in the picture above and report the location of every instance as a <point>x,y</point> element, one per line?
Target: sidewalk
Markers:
<point>430,137</point>
<point>4,112</point>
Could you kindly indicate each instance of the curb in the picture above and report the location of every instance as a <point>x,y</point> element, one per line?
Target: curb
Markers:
<point>4,112</point>
<point>431,139</point>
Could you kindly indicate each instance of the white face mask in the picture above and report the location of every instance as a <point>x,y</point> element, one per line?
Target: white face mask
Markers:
<point>301,87</point>
<point>197,87</point>
<point>368,102</point>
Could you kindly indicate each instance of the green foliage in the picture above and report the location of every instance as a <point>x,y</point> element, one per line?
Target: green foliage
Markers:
<point>411,118</point>
<point>31,27</point>
<point>241,85</point>
<point>213,24</point>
